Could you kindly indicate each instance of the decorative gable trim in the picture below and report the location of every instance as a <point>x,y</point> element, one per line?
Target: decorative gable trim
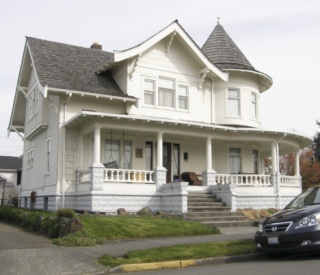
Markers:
<point>171,31</point>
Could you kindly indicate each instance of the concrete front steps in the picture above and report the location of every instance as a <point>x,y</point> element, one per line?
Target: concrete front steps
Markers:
<point>208,209</point>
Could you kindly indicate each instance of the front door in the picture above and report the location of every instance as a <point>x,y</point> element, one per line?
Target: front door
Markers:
<point>166,159</point>
<point>171,161</point>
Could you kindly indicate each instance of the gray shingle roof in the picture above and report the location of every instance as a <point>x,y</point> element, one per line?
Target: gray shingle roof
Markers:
<point>70,67</point>
<point>223,52</point>
<point>10,163</point>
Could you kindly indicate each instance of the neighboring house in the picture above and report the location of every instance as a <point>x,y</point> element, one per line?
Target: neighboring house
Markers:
<point>104,131</point>
<point>10,177</point>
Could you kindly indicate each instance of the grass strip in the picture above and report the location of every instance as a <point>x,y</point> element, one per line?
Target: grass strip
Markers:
<point>181,252</point>
<point>117,227</point>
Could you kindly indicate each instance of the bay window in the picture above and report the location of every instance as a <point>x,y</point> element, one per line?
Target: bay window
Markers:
<point>234,102</point>
<point>254,105</point>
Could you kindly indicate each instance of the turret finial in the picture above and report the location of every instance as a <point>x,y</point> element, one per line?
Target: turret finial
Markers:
<point>218,20</point>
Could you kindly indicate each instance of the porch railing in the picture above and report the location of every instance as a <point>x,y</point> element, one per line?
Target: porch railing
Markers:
<point>256,180</point>
<point>290,181</point>
<point>117,175</point>
<point>243,179</point>
<point>128,176</point>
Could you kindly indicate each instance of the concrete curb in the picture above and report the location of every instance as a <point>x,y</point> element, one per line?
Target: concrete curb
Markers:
<point>186,263</point>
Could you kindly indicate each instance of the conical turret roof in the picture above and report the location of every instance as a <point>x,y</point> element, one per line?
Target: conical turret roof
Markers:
<point>224,53</point>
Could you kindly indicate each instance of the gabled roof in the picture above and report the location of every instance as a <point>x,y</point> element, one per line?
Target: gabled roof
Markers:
<point>170,31</point>
<point>71,67</point>
<point>10,163</point>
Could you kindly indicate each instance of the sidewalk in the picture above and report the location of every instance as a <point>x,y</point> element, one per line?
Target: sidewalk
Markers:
<point>24,256</point>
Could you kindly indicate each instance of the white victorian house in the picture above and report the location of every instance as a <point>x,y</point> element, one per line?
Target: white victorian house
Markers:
<point>104,131</point>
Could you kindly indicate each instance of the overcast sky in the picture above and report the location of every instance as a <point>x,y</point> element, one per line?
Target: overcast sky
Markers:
<point>279,37</point>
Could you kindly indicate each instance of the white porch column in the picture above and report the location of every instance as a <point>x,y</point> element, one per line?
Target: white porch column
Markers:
<point>97,144</point>
<point>160,150</point>
<point>275,176</point>
<point>81,144</point>
<point>274,157</point>
<point>161,172</point>
<point>297,163</point>
<point>97,168</point>
<point>209,154</point>
<point>208,175</point>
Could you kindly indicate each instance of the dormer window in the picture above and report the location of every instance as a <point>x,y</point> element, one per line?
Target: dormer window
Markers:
<point>234,103</point>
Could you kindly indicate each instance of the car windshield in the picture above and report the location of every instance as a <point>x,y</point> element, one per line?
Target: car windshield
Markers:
<point>309,197</point>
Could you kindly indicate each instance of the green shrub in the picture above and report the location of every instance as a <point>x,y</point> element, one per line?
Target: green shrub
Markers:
<point>79,238</point>
<point>66,212</point>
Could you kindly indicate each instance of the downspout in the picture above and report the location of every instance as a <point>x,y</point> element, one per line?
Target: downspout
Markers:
<point>278,172</point>
<point>64,151</point>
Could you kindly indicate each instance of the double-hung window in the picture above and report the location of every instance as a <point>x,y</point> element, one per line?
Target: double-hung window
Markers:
<point>48,152</point>
<point>235,160</point>
<point>166,93</point>
<point>149,91</point>
<point>183,97</point>
<point>30,156</point>
<point>234,102</point>
<point>255,161</point>
<point>121,152</point>
<point>254,105</point>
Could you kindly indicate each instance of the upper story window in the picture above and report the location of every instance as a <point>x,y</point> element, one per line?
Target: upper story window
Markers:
<point>234,102</point>
<point>149,91</point>
<point>254,105</point>
<point>30,156</point>
<point>48,152</point>
<point>183,93</point>
<point>166,93</point>
<point>33,102</point>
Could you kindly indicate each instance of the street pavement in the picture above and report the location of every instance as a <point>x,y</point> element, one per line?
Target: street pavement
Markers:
<point>23,252</point>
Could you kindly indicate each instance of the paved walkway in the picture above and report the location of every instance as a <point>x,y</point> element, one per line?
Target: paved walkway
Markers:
<point>22,252</point>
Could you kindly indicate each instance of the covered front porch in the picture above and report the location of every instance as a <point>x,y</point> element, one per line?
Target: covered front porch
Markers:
<point>131,163</point>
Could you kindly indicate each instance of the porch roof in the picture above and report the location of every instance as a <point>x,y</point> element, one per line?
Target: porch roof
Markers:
<point>202,129</point>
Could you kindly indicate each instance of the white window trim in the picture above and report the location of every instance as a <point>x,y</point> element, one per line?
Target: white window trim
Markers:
<point>48,155</point>
<point>33,102</point>
<point>155,91</point>
<point>227,103</point>
<point>256,115</point>
<point>177,84</point>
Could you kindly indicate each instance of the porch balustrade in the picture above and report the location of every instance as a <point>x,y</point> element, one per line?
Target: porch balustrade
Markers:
<point>256,180</point>
<point>128,176</point>
<point>118,175</point>
<point>290,181</point>
<point>243,179</point>
<point>144,176</point>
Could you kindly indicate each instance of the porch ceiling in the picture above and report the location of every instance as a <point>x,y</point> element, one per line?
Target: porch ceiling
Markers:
<point>179,129</point>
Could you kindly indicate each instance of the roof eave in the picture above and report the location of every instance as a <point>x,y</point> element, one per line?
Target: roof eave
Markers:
<point>265,81</point>
<point>172,28</point>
